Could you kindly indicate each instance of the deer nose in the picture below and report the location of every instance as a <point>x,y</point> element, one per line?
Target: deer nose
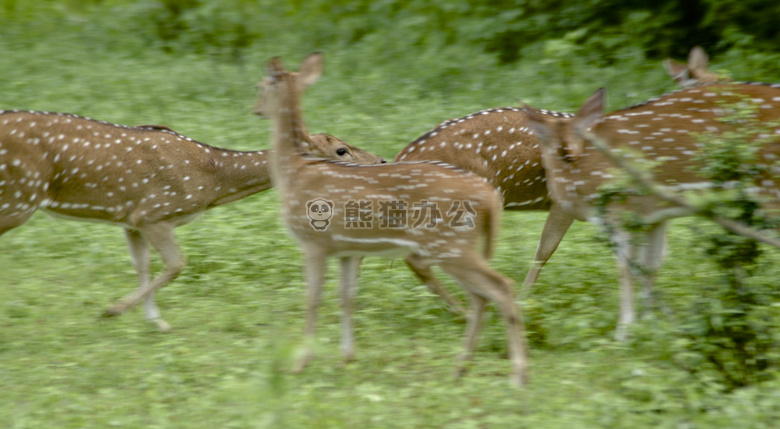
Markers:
<point>382,160</point>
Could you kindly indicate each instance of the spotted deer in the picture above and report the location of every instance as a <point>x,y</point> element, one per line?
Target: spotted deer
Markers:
<point>696,72</point>
<point>497,145</point>
<point>427,212</point>
<point>667,129</point>
<point>147,179</point>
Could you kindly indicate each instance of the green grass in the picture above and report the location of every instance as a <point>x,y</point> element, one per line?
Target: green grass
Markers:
<point>237,309</point>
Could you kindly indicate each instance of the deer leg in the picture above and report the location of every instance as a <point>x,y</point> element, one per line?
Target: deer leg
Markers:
<point>163,240</point>
<point>555,227</point>
<point>485,284</point>
<point>6,228</point>
<point>475,319</point>
<point>624,252</point>
<point>139,252</point>
<point>8,223</point>
<point>315,278</point>
<point>349,274</point>
<point>424,273</point>
<point>651,256</point>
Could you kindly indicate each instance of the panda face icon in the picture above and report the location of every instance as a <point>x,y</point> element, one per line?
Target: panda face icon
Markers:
<point>319,212</point>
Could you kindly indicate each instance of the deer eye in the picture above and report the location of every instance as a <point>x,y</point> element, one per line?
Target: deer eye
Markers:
<point>341,151</point>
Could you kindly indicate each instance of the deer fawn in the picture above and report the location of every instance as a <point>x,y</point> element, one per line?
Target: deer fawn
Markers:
<point>146,179</point>
<point>666,129</point>
<point>696,72</point>
<point>430,213</point>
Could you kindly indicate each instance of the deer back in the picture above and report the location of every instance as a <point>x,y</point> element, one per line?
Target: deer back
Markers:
<point>85,168</point>
<point>665,133</point>
<point>495,144</point>
<point>432,209</point>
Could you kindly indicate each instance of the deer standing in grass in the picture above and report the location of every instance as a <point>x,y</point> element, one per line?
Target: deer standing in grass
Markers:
<point>146,179</point>
<point>667,129</point>
<point>429,213</point>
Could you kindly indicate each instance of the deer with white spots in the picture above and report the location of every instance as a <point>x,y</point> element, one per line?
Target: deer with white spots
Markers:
<point>497,145</point>
<point>667,129</point>
<point>429,213</point>
<point>146,179</point>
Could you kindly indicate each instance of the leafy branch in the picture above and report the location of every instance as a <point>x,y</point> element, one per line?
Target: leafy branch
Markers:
<point>644,179</point>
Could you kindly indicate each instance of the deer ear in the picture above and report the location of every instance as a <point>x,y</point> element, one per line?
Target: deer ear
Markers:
<point>536,123</point>
<point>311,68</point>
<point>677,71</point>
<point>274,69</point>
<point>546,128</point>
<point>698,59</point>
<point>591,111</point>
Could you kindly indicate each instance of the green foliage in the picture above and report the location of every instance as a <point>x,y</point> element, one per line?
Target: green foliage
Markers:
<point>732,156</point>
<point>505,29</point>
<point>200,26</point>
<point>727,335</point>
<point>237,309</point>
<point>732,327</point>
<point>744,21</point>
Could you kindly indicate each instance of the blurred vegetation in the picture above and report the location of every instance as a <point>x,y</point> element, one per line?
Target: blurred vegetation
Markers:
<point>394,69</point>
<point>731,330</point>
<point>553,50</point>
<point>508,29</point>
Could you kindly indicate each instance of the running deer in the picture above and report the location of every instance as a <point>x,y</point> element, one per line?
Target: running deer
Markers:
<point>497,145</point>
<point>667,129</point>
<point>430,213</point>
<point>146,179</point>
<point>696,72</point>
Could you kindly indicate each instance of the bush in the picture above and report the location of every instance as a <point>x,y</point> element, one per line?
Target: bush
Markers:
<point>732,328</point>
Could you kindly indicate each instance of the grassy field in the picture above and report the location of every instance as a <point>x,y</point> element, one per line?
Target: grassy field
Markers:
<point>237,309</point>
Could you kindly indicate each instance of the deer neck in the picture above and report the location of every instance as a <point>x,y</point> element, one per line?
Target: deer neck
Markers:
<point>238,174</point>
<point>289,136</point>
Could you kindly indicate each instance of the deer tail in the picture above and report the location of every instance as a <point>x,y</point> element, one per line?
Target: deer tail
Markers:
<point>492,224</point>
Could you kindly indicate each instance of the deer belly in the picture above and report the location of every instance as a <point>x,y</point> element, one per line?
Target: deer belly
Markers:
<point>391,247</point>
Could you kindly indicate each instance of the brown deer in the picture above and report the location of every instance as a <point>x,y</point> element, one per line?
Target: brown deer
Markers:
<point>430,213</point>
<point>667,129</point>
<point>695,72</point>
<point>146,179</point>
<point>497,145</point>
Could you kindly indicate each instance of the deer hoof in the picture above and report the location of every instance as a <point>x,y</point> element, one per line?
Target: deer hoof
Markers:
<point>162,325</point>
<point>518,380</point>
<point>110,312</point>
<point>302,361</point>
